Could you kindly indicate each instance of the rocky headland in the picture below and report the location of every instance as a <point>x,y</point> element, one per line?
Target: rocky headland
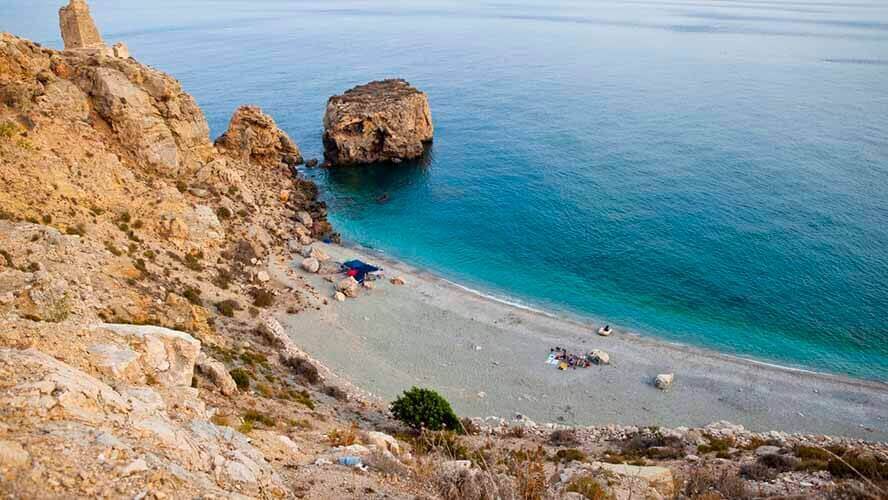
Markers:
<point>141,355</point>
<point>382,121</point>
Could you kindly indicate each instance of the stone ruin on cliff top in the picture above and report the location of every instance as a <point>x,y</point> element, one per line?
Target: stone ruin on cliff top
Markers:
<point>79,31</point>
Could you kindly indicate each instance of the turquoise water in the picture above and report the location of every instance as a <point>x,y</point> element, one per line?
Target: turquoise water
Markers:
<point>713,173</point>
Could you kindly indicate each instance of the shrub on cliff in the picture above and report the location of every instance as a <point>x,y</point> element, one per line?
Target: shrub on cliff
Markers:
<point>425,408</point>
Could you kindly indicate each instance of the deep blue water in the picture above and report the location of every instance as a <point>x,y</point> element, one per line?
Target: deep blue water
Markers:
<point>709,172</point>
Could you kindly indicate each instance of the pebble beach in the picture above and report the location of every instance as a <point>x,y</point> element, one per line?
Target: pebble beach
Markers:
<point>488,358</point>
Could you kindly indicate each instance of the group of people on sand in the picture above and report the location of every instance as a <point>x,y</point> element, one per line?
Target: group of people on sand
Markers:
<point>564,360</point>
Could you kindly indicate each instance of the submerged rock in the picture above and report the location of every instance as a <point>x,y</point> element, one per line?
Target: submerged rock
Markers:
<point>381,121</point>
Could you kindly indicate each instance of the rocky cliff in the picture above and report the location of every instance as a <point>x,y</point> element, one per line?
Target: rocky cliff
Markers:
<point>381,121</point>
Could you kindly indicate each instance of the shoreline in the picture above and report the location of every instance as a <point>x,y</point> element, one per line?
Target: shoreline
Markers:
<point>588,322</point>
<point>433,331</point>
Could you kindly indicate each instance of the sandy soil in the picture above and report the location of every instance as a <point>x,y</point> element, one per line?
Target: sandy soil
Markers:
<point>488,358</point>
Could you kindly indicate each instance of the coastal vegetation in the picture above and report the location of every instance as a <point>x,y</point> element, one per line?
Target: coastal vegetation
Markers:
<point>425,409</point>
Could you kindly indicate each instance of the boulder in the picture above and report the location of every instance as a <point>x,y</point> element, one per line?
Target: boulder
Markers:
<point>40,385</point>
<point>253,136</point>
<point>339,297</point>
<point>311,264</point>
<point>216,371</point>
<point>304,218</point>
<point>131,111</point>
<point>319,254</point>
<point>312,163</point>
<point>78,28</point>
<point>600,357</point>
<point>664,381</point>
<point>121,50</point>
<point>13,456</point>
<point>263,276</point>
<point>380,121</point>
<point>382,441</point>
<point>398,280</point>
<point>348,286</point>
<point>767,450</point>
<point>658,478</point>
<point>116,362</point>
<point>167,355</point>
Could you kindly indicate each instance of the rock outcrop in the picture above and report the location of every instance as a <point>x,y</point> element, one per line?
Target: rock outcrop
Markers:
<point>78,28</point>
<point>381,121</point>
<point>254,136</point>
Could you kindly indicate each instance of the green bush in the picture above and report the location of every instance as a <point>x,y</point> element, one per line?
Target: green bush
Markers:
<point>569,455</point>
<point>228,307</point>
<point>813,453</point>
<point>425,408</point>
<point>193,296</point>
<point>8,130</point>
<point>241,378</point>
<point>868,467</point>
<point>589,488</point>
<point>262,298</point>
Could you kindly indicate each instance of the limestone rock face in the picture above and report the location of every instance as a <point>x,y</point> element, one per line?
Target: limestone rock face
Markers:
<point>254,136</point>
<point>78,28</point>
<point>170,355</point>
<point>381,121</point>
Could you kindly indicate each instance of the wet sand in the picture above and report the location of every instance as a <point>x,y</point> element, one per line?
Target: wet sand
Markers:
<point>488,358</point>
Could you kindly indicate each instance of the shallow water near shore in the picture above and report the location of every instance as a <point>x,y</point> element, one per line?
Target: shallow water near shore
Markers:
<point>708,173</point>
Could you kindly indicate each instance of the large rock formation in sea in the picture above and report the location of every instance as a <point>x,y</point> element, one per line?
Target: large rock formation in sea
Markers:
<point>381,121</point>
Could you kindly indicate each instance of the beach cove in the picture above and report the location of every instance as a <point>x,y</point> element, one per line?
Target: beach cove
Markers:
<point>488,358</point>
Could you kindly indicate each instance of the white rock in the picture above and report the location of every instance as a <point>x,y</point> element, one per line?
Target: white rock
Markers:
<point>659,478</point>
<point>216,372</point>
<point>767,450</point>
<point>13,455</point>
<point>382,441</point>
<point>263,276</point>
<point>600,357</point>
<point>136,466</point>
<point>348,286</point>
<point>120,50</point>
<point>304,218</point>
<point>339,296</point>
<point>311,265</point>
<point>169,354</point>
<point>115,362</point>
<point>319,254</point>
<point>451,466</point>
<point>289,444</point>
<point>664,381</point>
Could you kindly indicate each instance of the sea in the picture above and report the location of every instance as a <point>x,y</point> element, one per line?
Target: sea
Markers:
<point>707,172</point>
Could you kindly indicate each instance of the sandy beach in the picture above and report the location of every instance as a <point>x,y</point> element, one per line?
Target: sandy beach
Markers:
<point>488,358</point>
